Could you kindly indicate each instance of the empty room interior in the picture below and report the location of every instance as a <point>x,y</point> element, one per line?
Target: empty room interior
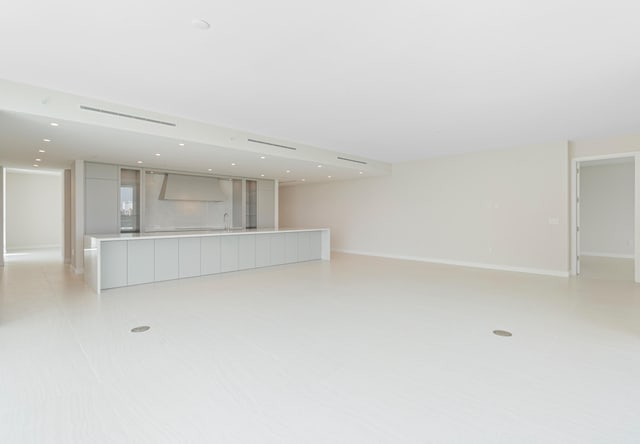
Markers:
<point>329,222</point>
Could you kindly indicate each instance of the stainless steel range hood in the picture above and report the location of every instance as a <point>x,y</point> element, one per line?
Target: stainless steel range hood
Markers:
<point>198,188</point>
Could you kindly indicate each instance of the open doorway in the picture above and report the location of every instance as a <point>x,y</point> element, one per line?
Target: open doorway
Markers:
<point>605,218</point>
<point>34,218</point>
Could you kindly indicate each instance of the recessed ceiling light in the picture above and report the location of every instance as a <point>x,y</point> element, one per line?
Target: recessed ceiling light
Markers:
<point>361,172</point>
<point>262,175</point>
<point>233,164</point>
<point>262,157</point>
<point>38,160</point>
<point>200,24</point>
<point>151,172</point>
<point>288,171</point>
<point>329,177</point>
<point>139,161</point>
<point>319,166</point>
<point>209,169</point>
<point>53,124</point>
<point>46,140</point>
<point>303,179</point>
<point>158,154</point>
<point>36,165</point>
<point>41,151</point>
<point>181,144</point>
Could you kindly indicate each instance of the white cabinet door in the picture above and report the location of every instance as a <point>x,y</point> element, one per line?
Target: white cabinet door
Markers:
<point>304,253</point>
<point>113,264</point>
<point>166,259</point>
<point>315,245</point>
<point>266,203</point>
<point>190,257</point>
<point>100,171</point>
<point>291,247</point>
<point>246,251</point>
<point>210,255</point>
<point>277,249</point>
<point>101,207</point>
<point>228,253</point>
<point>263,250</point>
<point>140,261</point>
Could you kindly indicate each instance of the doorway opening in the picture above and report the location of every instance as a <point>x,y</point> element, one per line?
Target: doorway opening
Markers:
<point>604,225</point>
<point>34,215</point>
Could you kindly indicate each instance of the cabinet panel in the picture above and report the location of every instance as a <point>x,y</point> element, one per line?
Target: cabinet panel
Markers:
<point>228,253</point>
<point>277,249</point>
<point>315,245</point>
<point>303,246</point>
<point>101,207</point>
<point>140,261</point>
<point>263,250</point>
<point>246,251</point>
<point>266,203</point>
<point>190,257</point>
<point>100,171</point>
<point>291,247</point>
<point>166,259</point>
<point>113,264</point>
<point>210,255</point>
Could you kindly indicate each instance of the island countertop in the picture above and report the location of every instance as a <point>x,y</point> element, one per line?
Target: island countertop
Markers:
<point>197,233</point>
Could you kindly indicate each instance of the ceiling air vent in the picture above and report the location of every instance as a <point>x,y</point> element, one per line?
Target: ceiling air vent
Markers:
<point>352,160</point>
<point>128,116</point>
<point>272,144</point>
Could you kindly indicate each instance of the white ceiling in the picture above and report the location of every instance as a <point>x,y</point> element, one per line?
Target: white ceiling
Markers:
<point>22,136</point>
<point>385,80</point>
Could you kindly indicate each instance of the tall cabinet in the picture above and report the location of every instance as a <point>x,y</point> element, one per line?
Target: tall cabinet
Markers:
<point>101,199</point>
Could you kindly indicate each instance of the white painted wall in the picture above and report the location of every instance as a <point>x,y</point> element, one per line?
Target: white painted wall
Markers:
<point>77,216</point>
<point>34,210</point>
<point>607,209</point>
<point>498,209</point>
<point>3,222</point>
<point>66,238</point>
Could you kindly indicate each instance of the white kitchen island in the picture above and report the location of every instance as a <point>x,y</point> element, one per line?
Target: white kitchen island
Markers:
<point>120,260</point>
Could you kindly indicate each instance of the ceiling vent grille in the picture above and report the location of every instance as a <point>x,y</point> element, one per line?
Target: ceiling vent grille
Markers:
<point>272,144</point>
<point>128,116</point>
<point>353,160</point>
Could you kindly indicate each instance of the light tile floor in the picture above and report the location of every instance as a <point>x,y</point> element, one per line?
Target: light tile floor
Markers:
<point>356,350</point>
<point>616,269</point>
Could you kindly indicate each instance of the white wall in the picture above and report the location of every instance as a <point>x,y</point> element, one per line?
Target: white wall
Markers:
<point>503,209</point>
<point>607,209</point>
<point>2,214</point>
<point>34,210</point>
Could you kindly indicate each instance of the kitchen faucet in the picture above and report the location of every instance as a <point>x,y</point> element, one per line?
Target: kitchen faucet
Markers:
<point>227,225</point>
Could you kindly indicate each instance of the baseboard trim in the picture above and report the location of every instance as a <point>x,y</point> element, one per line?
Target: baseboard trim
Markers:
<point>611,255</point>
<point>528,270</point>
<point>18,248</point>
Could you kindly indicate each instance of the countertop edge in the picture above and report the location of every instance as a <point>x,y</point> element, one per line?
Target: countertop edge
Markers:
<point>140,236</point>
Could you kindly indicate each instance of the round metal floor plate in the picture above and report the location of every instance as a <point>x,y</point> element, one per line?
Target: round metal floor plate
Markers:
<point>502,333</point>
<point>140,329</point>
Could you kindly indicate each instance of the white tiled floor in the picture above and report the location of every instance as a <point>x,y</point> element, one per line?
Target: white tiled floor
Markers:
<point>597,267</point>
<point>358,350</point>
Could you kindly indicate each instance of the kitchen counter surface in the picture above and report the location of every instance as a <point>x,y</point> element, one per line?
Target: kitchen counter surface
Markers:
<point>197,233</point>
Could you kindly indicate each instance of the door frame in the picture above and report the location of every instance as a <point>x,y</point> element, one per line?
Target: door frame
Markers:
<point>575,162</point>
